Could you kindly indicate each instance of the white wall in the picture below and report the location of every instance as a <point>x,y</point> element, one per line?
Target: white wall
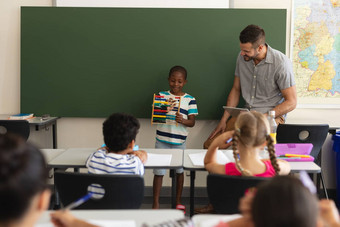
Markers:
<point>84,132</point>
<point>145,3</point>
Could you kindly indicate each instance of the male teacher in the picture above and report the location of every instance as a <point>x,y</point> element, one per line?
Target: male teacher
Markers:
<point>264,77</point>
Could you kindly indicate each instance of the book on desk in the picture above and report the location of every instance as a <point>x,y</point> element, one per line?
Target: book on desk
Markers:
<point>21,116</point>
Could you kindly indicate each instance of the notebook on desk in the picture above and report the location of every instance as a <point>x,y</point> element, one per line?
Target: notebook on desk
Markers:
<point>282,149</point>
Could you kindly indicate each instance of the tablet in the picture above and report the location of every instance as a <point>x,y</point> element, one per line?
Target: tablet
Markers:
<point>234,111</point>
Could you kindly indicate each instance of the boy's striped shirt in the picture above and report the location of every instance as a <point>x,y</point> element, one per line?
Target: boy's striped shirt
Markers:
<point>101,162</point>
<point>177,134</point>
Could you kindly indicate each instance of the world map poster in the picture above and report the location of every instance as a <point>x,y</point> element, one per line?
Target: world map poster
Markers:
<point>316,51</point>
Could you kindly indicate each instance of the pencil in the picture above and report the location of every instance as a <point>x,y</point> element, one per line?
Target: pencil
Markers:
<point>297,155</point>
<point>79,201</point>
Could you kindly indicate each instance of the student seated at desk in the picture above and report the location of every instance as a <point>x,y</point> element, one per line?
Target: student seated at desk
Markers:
<point>251,135</point>
<point>118,156</point>
<point>24,194</point>
<point>284,201</point>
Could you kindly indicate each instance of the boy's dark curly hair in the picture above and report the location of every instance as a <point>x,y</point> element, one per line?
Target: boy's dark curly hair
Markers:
<point>119,130</point>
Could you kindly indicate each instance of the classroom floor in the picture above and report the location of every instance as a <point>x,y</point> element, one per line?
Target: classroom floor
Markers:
<point>165,203</point>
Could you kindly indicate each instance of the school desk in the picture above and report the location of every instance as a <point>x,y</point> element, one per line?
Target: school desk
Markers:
<point>207,220</point>
<point>140,217</point>
<point>38,124</point>
<point>76,158</point>
<point>296,167</point>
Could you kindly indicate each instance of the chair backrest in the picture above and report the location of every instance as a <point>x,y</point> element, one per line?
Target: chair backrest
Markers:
<point>19,127</point>
<point>297,133</point>
<point>121,191</point>
<point>225,191</point>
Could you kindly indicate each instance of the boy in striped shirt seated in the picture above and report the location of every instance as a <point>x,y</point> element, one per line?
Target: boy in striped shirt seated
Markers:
<point>118,156</point>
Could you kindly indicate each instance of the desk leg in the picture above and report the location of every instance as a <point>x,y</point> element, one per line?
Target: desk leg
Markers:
<point>319,179</point>
<point>192,192</point>
<point>173,188</point>
<point>54,135</point>
<point>56,195</point>
<point>323,186</point>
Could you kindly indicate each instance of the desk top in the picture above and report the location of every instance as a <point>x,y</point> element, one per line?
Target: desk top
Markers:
<point>76,158</point>
<point>51,154</point>
<point>33,121</point>
<point>40,121</point>
<point>296,167</point>
<point>309,167</point>
<point>150,217</point>
<point>72,158</point>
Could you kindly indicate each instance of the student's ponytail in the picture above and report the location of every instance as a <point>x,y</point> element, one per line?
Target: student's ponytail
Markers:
<point>236,137</point>
<point>272,156</point>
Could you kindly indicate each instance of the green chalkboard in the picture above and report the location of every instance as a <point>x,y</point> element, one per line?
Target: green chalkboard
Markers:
<point>91,62</point>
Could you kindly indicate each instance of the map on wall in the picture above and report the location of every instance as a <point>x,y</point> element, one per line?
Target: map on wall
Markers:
<point>316,51</point>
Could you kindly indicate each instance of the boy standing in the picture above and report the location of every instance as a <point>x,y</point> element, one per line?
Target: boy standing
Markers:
<point>118,156</point>
<point>174,136</point>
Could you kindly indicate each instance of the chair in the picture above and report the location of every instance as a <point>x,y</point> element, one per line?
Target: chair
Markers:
<point>225,191</point>
<point>121,191</point>
<point>314,134</point>
<point>19,127</point>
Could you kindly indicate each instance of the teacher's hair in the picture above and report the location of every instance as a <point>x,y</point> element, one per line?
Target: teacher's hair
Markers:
<point>23,175</point>
<point>252,130</point>
<point>253,34</point>
<point>284,201</point>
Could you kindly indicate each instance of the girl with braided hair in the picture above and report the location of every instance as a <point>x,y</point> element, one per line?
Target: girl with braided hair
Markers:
<point>250,137</point>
